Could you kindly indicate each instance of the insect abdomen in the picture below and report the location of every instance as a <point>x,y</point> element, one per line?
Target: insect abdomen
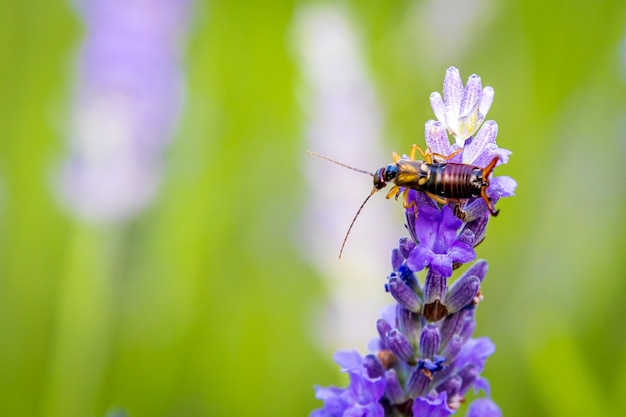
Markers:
<point>454,180</point>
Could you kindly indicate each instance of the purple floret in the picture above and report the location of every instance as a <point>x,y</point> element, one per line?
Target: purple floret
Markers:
<point>435,407</point>
<point>438,246</point>
<point>361,398</point>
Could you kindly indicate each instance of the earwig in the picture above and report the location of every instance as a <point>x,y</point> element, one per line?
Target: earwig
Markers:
<point>443,181</point>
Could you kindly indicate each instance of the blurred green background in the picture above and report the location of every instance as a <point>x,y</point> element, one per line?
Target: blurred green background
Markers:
<point>203,306</point>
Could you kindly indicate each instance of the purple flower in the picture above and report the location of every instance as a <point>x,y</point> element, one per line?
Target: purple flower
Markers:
<point>479,151</point>
<point>461,113</point>
<point>127,100</point>
<point>438,361</point>
<point>425,356</point>
<point>438,245</point>
<point>461,110</point>
<point>484,407</point>
<point>472,357</point>
<point>437,407</point>
<point>502,186</point>
<point>447,362</point>
<point>362,396</point>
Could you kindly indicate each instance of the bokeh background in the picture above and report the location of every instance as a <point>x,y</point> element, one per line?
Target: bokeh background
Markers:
<point>218,296</point>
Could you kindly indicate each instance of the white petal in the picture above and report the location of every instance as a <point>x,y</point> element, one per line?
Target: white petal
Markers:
<point>472,94</point>
<point>437,138</point>
<point>469,123</point>
<point>452,119</point>
<point>436,102</point>
<point>486,100</point>
<point>453,89</point>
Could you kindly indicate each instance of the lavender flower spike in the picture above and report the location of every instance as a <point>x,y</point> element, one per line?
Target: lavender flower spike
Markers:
<point>127,99</point>
<point>426,359</point>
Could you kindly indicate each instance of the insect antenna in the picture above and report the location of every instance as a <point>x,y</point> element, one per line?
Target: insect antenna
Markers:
<point>345,239</point>
<point>339,163</point>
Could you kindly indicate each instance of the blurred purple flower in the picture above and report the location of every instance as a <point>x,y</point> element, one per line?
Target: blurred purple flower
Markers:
<point>128,95</point>
<point>342,119</point>
<point>484,407</point>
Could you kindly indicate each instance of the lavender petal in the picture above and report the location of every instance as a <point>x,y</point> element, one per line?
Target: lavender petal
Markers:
<point>435,287</point>
<point>418,384</point>
<point>409,324</point>
<point>393,390</point>
<point>437,138</point>
<point>400,346</point>
<point>486,135</point>
<point>404,295</point>
<point>486,101</point>
<point>437,407</point>
<point>483,407</point>
<point>438,106</point>
<point>462,293</point>
<point>472,95</point>
<point>429,341</point>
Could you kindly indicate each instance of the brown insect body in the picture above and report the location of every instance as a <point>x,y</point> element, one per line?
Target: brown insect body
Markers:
<point>447,180</point>
<point>443,181</point>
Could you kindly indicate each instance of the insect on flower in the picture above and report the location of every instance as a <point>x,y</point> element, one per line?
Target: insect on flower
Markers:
<point>441,180</point>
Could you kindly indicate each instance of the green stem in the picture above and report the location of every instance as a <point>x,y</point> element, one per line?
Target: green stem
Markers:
<point>83,326</point>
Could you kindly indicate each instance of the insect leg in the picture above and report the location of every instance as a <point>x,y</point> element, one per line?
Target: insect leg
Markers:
<point>405,201</point>
<point>442,159</point>
<point>453,154</point>
<point>483,191</point>
<point>395,191</point>
<point>438,199</point>
<point>426,155</point>
<point>487,170</point>
<point>431,157</point>
<point>488,202</point>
